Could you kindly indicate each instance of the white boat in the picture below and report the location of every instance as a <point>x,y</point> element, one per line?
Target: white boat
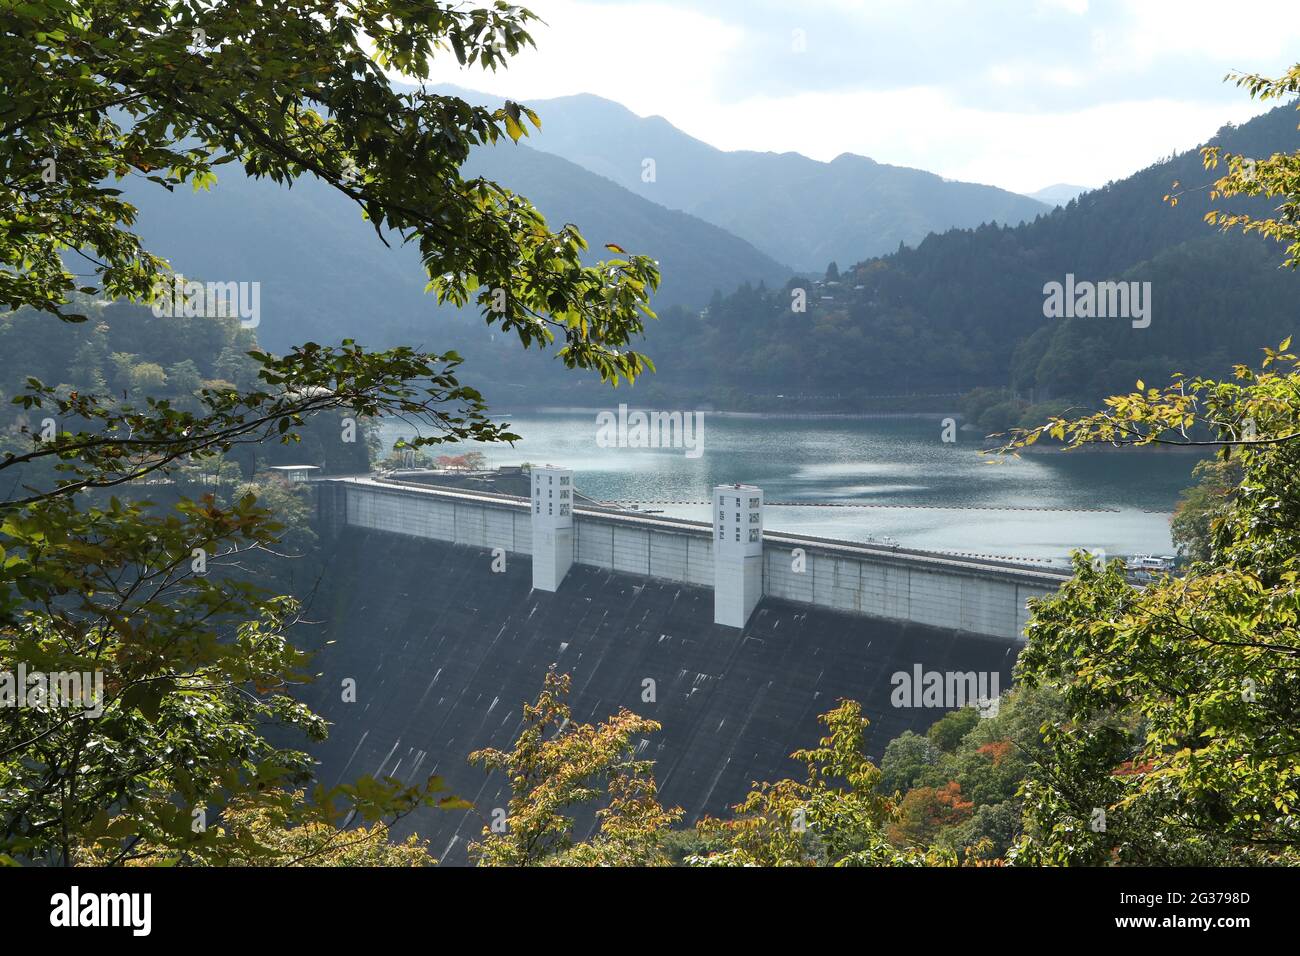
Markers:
<point>1148,562</point>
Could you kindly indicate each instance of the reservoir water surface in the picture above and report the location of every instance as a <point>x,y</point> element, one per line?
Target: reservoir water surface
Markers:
<point>882,477</point>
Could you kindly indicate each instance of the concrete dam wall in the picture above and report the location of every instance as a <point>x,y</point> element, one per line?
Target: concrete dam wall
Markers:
<point>446,608</point>
<point>444,651</point>
<point>961,594</point>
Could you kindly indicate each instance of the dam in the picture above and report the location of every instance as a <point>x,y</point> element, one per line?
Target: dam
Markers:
<point>977,596</point>
<point>445,607</point>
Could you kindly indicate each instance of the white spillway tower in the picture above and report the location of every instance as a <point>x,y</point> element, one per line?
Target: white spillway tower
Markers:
<point>737,553</point>
<point>552,526</point>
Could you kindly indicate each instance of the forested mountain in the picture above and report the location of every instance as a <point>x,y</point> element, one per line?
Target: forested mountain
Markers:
<point>326,276</point>
<point>125,354</point>
<point>797,210</point>
<point>965,308</point>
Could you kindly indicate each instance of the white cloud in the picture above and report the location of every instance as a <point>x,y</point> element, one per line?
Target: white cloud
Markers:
<point>650,57</point>
<point>1018,151</point>
<point>1141,79</point>
<point>1077,7</point>
<point>1247,37</point>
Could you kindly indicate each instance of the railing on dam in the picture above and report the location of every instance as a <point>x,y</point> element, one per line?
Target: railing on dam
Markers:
<point>964,594</point>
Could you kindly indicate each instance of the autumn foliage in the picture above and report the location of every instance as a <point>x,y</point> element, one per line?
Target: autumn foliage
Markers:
<point>927,810</point>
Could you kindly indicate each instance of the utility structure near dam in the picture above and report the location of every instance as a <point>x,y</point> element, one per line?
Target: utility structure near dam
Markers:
<point>735,556</point>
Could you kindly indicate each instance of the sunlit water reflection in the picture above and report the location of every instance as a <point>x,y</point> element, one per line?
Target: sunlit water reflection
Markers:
<point>943,493</point>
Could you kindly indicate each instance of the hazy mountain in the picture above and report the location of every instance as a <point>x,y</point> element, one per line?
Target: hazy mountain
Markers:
<point>696,258</point>
<point>1058,194</point>
<point>325,274</point>
<point>797,210</point>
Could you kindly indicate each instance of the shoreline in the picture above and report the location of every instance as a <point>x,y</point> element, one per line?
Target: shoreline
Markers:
<point>785,416</point>
<point>1037,449</point>
<point>967,439</point>
<point>1100,449</point>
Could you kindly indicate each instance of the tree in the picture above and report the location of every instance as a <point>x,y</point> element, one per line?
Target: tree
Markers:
<point>178,671</point>
<point>184,378</point>
<point>949,730</point>
<point>172,89</point>
<point>833,817</point>
<point>277,837</point>
<point>927,810</point>
<point>289,89</point>
<point>295,564</point>
<point>231,367</point>
<point>557,764</point>
<point>1201,507</point>
<point>122,363</point>
<point>194,666</point>
<point>988,758</point>
<point>401,457</point>
<point>87,367</point>
<point>1274,177</point>
<point>147,378</point>
<point>907,757</point>
<point>1181,738</point>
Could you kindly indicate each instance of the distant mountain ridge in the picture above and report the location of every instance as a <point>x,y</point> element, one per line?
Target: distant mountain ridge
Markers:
<point>1057,194</point>
<point>797,210</point>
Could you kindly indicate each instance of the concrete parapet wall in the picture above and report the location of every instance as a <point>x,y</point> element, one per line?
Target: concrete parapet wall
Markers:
<point>977,599</point>
<point>485,523</point>
<point>672,554</point>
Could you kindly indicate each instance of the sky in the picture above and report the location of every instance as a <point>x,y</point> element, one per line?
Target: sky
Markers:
<point>1020,94</point>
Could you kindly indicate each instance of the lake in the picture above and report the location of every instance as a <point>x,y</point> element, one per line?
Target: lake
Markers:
<point>887,476</point>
